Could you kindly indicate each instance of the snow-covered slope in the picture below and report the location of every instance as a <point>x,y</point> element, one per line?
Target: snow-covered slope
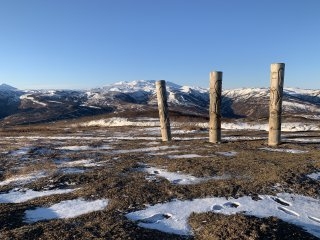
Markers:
<point>6,87</point>
<point>139,97</point>
<point>9,100</point>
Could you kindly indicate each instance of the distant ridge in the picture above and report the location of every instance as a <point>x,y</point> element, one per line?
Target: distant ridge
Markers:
<point>138,98</point>
<point>6,87</point>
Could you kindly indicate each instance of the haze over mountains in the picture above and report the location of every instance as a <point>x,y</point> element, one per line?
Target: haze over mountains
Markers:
<point>138,98</point>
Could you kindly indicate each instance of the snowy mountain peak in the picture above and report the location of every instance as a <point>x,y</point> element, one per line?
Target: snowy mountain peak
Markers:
<point>137,85</point>
<point>6,87</point>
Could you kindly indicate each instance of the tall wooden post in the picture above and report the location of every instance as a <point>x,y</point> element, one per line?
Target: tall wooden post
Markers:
<point>163,110</point>
<point>215,107</point>
<point>275,107</point>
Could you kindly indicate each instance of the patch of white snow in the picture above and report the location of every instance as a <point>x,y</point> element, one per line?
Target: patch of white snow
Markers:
<point>172,217</point>
<point>65,209</point>
<point>315,176</point>
<point>178,178</point>
<point>23,179</point>
<point>23,195</point>
<point>283,150</point>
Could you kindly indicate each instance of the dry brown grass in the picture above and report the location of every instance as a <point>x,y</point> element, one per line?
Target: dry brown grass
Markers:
<point>211,226</point>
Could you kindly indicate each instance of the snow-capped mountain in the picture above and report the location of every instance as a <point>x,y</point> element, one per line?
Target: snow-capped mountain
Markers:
<point>9,100</point>
<point>139,98</point>
<point>6,87</point>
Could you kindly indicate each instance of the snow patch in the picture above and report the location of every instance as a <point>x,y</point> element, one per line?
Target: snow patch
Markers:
<point>172,217</point>
<point>315,176</point>
<point>20,152</point>
<point>302,140</point>
<point>176,177</point>
<point>185,156</point>
<point>65,209</point>
<point>227,154</point>
<point>28,97</point>
<point>164,153</point>
<point>23,179</point>
<point>238,138</point>
<point>118,122</point>
<point>70,170</point>
<point>84,148</point>
<point>285,127</point>
<point>283,150</point>
<point>83,163</point>
<point>23,195</point>
<point>150,149</point>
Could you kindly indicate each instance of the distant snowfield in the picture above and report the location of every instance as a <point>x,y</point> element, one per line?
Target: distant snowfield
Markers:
<point>150,128</point>
<point>27,96</point>
<point>154,122</point>
<point>285,127</point>
<point>65,209</point>
<point>172,217</point>
<point>120,122</point>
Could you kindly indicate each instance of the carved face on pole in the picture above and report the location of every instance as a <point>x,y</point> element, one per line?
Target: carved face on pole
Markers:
<point>275,107</point>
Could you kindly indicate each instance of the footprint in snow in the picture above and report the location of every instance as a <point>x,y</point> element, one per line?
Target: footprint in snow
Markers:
<point>176,181</point>
<point>156,218</point>
<point>225,205</point>
<point>314,219</point>
<point>281,201</point>
<point>217,207</point>
<point>231,204</point>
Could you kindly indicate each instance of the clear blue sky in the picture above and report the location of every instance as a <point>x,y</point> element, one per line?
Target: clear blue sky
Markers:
<point>92,43</point>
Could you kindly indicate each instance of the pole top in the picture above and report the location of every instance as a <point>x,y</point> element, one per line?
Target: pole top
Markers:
<point>216,72</point>
<point>277,66</point>
<point>160,81</point>
<point>216,75</point>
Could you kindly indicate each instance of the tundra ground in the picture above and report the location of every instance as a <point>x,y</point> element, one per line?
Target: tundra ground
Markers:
<point>108,163</point>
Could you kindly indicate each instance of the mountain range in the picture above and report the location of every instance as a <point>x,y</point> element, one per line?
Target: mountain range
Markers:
<point>138,98</point>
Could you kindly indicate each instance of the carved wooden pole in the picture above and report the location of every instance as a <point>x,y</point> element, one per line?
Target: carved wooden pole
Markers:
<point>275,107</point>
<point>215,107</point>
<point>163,110</point>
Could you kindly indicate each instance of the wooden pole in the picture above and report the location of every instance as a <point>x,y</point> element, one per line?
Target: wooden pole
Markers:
<point>163,110</point>
<point>275,107</point>
<point>215,107</point>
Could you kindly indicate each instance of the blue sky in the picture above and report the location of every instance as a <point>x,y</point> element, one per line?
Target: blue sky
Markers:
<point>91,43</point>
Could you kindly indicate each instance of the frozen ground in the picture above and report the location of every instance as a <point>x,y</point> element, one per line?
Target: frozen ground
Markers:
<point>124,180</point>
